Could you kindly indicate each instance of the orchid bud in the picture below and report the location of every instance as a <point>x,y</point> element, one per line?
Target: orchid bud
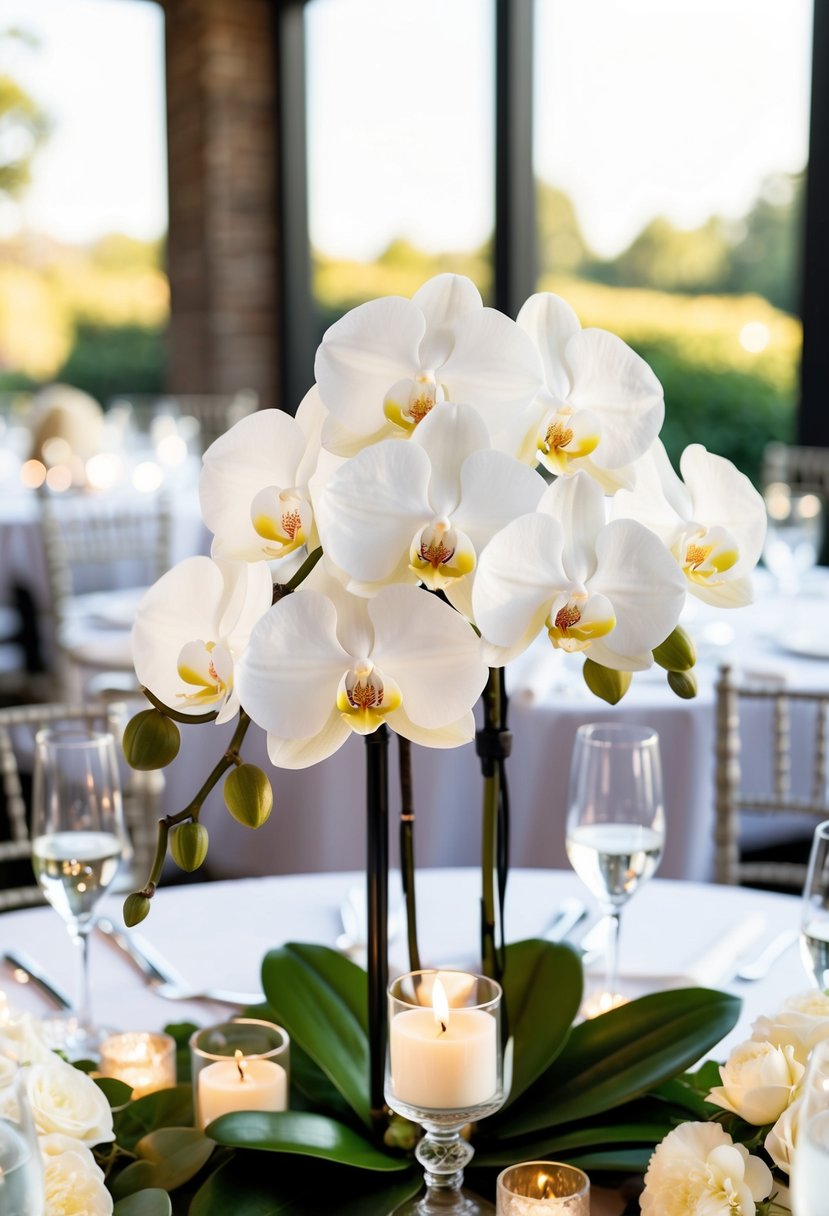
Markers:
<point>151,740</point>
<point>684,684</point>
<point>136,908</point>
<point>605,682</point>
<point>677,652</point>
<point>188,845</point>
<point>401,1133</point>
<point>248,795</point>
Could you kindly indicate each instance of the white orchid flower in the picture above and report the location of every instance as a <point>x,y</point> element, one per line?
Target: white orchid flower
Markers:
<point>600,407</point>
<point>611,590</point>
<point>254,483</point>
<point>423,510</point>
<point>714,523</point>
<point>318,668</point>
<point>192,626</point>
<point>386,364</point>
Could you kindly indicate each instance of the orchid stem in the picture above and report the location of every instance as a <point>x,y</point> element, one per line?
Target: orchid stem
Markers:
<point>407,858</point>
<point>492,778</point>
<point>283,589</point>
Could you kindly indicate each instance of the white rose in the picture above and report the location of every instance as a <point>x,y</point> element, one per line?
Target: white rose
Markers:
<point>758,1081</point>
<point>780,1142</point>
<point>802,1022</point>
<point>65,1100</point>
<point>54,1145</point>
<point>697,1168</point>
<point>71,1188</point>
<point>24,1038</point>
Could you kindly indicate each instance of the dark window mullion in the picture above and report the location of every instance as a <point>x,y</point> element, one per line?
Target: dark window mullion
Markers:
<point>813,420</point>
<point>515,256</point>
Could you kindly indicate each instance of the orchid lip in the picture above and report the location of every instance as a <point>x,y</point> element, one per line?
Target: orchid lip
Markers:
<point>282,517</point>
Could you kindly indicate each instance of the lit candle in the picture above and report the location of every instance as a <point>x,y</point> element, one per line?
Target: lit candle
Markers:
<point>146,1062</point>
<point>443,1062</point>
<point>241,1084</point>
<point>457,986</point>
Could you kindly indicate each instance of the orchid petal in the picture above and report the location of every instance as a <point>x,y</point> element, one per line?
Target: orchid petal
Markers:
<point>602,652</point>
<point>722,495</point>
<point>302,753</point>
<point>311,416</point>
<point>730,593</point>
<point>263,449</point>
<point>448,435</point>
<point>430,651</point>
<point>643,583</point>
<point>339,440</point>
<point>578,505</point>
<point>609,481</point>
<point>371,507</point>
<point>519,573</point>
<point>443,300</point>
<point>229,709</point>
<point>287,678</point>
<point>658,499</point>
<point>494,366</point>
<point>363,354</point>
<point>614,382</point>
<point>247,593</point>
<point>550,322</point>
<point>480,512</point>
<point>454,734</point>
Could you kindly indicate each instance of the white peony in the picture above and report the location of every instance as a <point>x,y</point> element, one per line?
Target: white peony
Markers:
<point>802,1022</point>
<point>698,1169</point>
<point>758,1081</point>
<point>74,1185</point>
<point>67,1101</point>
<point>780,1142</point>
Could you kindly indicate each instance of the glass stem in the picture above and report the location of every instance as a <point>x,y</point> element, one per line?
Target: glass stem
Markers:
<point>443,1155</point>
<point>80,935</point>
<point>614,916</point>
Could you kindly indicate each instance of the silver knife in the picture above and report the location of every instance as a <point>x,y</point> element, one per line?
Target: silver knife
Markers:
<point>569,913</point>
<point>28,971</point>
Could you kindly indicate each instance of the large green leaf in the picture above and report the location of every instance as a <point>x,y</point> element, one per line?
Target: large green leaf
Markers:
<point>543,989</point>
<point>247,1187</point>
<point>303,1133</point>
<point>152,1202</point>
<point>169,1157</point>
<point>165,1108</point>
<point>316,994</point>
<point>622,1054</point>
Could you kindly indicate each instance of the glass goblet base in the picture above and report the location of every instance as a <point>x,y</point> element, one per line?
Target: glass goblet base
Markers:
<point>65,1033</point>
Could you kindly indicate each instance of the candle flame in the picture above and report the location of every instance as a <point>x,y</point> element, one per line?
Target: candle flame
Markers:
<point>543,1184</point>
<point>240,1063</point>
<point>440,1005</point>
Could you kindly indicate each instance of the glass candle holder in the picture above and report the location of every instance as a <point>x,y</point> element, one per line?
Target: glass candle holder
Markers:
<point>535,1188</point>
<point>445,1070</point>
<point>243,1064</point>
<point>147,1062</point>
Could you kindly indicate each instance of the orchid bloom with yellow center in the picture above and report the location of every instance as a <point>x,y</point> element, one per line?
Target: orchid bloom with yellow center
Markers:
<point>384,367</point>
<point>422,511</point>
<point>192,626</point>
<point>254,484</point>
<point>322,663</point>
<point>713,520</point>
<point>609,590</point>
<point>600,406</point>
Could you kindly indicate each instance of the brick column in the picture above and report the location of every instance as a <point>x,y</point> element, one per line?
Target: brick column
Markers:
<point>223,248</point>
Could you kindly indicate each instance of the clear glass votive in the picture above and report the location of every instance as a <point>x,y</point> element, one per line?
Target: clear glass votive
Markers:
<point>533,1188</point>
<point>243,1064</point>
<point>145,1061</point>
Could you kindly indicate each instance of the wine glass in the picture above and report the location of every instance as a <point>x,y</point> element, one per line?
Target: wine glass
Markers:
<point>810,1167</point>
<point>21,1172</point>
<point>615,821</point>
<point>814,917</point>
<point>793,533</point>
<point>78,839</point>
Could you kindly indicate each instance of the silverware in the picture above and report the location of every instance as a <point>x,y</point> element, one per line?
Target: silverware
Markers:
<point>759,967</point>
<point>569,914</point>
<point>26,970</point>
<point>353,941</point>
<point>164,980</point>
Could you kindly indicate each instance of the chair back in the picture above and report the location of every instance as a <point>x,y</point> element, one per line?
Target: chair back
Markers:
<point>738,777</point>
<point>215,413</point>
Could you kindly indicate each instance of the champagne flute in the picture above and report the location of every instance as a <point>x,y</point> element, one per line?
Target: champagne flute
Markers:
<point>814,917</point>
<point>615,821</point>
<point>810,1167</point>
<point>793,535</point>
<point>78,838</point>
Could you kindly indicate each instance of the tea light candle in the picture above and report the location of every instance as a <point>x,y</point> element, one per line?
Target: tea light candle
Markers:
<point>240,1084</point>
<point>441,1061</point>
<point>542,1188</point>
<point>147,1062</point>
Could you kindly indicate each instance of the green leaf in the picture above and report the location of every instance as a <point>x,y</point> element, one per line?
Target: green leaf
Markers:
<point>319,997</point>
<point>543,989</point>
<point>118,1093</point>
<point>181,1032</point>
<point>165,1108</point>
<point>621,1055</point>
<point>152,1202</point>
<point>616,1161</point>
<point>170,1157</point>
<point>247,1186</point>
<point>86,1065</point>
<point>303,1133</point>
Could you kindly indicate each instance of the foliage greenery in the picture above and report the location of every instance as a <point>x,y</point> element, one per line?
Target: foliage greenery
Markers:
<point>600,1094</point>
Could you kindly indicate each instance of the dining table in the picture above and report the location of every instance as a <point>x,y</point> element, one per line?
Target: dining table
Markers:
<point>674,934</point>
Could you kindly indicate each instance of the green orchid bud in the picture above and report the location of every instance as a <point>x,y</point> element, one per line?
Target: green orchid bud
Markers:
<point>684,684</point>
<point>136,908</point>
<point>677,652</point>
<point>401,1133</point>
<point>188,845</point>
<point>151,740</point>
<point>248,795</point>
<point>604,682</point>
